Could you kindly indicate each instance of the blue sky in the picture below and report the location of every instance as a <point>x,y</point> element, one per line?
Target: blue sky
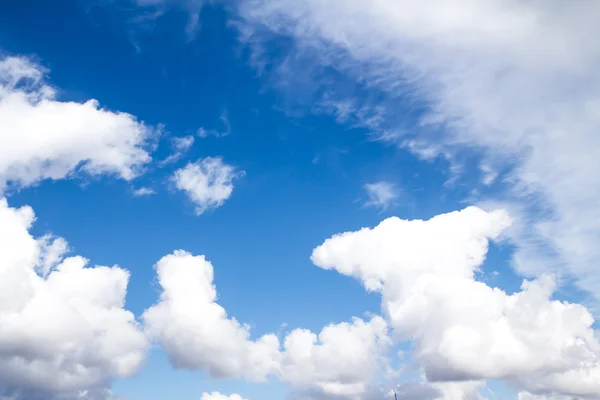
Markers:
<point>305,127</point>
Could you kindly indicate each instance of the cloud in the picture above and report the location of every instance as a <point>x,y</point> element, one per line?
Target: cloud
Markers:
<point>203,133</point>
<point>381,194</point>
<point>426,274</point>
<point>514,81</point>
<point>339,361</point>
<point>64,330</point>
<point>143,191</point>
<point>197,334</point>
<point>183,143</point>
<point>44,138</point>
<point>219,396</point>
<point>207,182</point>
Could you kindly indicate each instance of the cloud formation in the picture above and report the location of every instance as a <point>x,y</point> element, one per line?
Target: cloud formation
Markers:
<point>197,334</point>
<point>514,81</point>
<point>208,182</point>
<point>45,138</point>
<point>381,194</point>
<point>63,326</point>
<point>426,274</point>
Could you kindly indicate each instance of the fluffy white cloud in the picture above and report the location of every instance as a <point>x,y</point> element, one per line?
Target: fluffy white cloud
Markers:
<point>207,182</point>
<point>44,138</point>
<point>197,333</point>
<point>339,361</point>
<point>62,330</point>
<point>219,396</point>
<point>425,272</point>
<point>381,194</point>
<point>516,79</point>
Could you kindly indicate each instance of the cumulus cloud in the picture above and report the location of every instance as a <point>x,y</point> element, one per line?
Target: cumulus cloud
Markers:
<point>219,396</point>
<point>63,331</point>
<point>380,194</point>
<point>207,182</point>
<point>339,361</point>
<point>516,81</point>
<point>197,333</point>
<point>44,138</point>
<point>425,272</point>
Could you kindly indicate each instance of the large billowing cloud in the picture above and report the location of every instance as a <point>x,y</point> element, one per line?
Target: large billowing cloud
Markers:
<point>197,333</point>
<point>461,328</point>
<point>63,329</point>
<point>514,79</point>
<point>44,138</point>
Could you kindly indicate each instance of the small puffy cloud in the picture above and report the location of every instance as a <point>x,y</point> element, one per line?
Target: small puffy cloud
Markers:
<point>44,138</point>
<point>207,182</point>
<point>381,194</point>
<point>63,330</point>
<point>425,272</point>
<point>219,396</point>
<point>143,191</point>
<point>197,334</point>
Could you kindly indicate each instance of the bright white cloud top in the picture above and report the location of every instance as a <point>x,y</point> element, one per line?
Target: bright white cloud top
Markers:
<point>197,334</point>
<point>219,396</point>
<point>426,274</point>
<point>66,330</point>
<point>44,138</point>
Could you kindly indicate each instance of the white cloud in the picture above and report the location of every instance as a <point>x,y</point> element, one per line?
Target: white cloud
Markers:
<point>197,333</point>
<point>143,191</point>
<point>219,396</point>
<point>425,272</point>
<point>381,194</point>
<point>207,182</point>
<point>339,361</point>
<point>516,80</point>
<point>524,395</point>
<point>183,144</point>
<point>44,138</point>
<point>65,330</point>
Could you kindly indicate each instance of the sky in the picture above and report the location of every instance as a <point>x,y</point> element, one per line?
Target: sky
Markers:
<point>299,199</point>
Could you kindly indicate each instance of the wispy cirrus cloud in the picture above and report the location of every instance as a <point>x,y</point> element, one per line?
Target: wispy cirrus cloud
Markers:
<point>381,194</point>
<point>514,81</point>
